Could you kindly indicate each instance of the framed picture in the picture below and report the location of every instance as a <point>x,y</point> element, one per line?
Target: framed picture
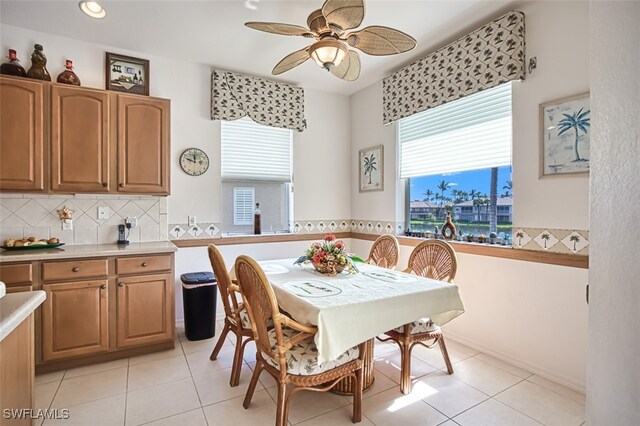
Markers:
<point>127,74</point>
<point>565,133</point>
<point>371,169</point>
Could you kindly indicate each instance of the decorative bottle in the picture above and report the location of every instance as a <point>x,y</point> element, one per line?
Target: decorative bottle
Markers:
<point>68,76</point>
<point>450,227</point>
<point>257,215</point>
<point>38,68</point>
<point>12,66</point>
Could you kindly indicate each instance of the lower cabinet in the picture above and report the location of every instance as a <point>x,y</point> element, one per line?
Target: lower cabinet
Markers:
<point>144,310</point>
<point>75,319</point>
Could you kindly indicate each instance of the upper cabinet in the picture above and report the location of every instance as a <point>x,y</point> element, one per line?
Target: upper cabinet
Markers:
<point>84,140</point>
<point>143,145</point>
<point>22,135</point>
<point>79,140</point>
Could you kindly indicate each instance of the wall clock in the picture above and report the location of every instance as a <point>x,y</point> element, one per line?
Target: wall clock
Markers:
<point>194,161</point>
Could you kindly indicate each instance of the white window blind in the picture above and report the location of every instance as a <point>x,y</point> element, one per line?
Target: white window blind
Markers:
<point>244,199</point>
<point>251,151</point>
<point>466,134</point>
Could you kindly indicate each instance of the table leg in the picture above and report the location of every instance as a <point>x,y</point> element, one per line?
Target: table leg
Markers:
<point>346,386</point>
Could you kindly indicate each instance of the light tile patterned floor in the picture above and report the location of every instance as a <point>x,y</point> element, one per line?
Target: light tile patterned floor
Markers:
<point>183,387</point>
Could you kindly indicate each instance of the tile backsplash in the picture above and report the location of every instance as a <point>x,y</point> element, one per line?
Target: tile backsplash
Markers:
<point>24,215</point>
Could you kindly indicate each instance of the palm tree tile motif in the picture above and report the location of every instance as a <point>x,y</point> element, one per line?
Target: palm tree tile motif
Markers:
<point>546,240</point>
<point>576,241</point>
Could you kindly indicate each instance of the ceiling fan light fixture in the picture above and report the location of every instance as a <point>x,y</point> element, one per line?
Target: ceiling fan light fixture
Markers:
<point>328,53</point>
<point>92,9</point>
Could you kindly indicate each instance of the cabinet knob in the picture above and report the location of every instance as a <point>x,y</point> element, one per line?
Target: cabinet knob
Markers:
<point>120,284</point>
<point>121,185</point>
<point>104,184</point>
<point>75,269</point>
<point>144,264</point>
<point>103,286</point>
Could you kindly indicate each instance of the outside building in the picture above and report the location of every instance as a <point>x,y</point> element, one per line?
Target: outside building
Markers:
<point>423,210</point>
<point>472,211</point>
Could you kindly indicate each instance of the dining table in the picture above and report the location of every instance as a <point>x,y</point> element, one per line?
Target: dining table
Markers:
<point>351,308</point>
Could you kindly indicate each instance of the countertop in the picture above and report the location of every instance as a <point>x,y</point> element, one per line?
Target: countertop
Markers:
<point>16,307</point>
<point>90,250</point>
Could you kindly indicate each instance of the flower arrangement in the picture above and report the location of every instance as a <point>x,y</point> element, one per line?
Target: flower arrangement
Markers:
<point>329,256</point>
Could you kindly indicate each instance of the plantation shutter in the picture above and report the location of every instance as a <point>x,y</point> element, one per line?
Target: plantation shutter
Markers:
<point>251,151</point>
<point>244,199</point>
<point>466,134</point>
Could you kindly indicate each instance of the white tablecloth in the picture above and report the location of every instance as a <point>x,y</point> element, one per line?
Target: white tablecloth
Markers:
<point>351,309</point>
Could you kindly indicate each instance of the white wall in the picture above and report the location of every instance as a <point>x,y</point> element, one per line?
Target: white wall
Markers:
<point>614,340</point>
<point>530,314</point>
<point>321,153</point>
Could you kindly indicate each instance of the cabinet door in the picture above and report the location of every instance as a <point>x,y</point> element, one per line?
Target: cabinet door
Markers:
<point>145,310</point>
<point>79,139</point>
<point>143,145</point>
<point>75,319</point>
<point>21,135</point>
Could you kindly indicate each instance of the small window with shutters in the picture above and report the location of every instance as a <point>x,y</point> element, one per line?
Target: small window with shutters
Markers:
<point>457,159</point>
<point>256,165</point>
<point>244,200</point>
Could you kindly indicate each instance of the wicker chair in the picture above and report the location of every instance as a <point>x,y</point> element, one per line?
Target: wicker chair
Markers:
<point>287,351</point>
<point>432,259</point>
<point>385,252</point>
<point>236,319</point>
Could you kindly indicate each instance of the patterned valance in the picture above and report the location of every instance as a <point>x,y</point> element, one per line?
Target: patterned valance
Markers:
<point>267,102</point>
<point>489,56</point>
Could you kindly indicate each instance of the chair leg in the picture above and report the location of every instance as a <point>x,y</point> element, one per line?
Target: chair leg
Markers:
<point>445,354</point>
<point>281,409</point>
<point>405,367</point>
<point>252,384</point>
<point>357,397</point>
<point>237,361</point>
<point>221,339</point>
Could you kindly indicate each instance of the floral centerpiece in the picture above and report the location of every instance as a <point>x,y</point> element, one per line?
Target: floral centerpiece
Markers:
<point>329,257</point>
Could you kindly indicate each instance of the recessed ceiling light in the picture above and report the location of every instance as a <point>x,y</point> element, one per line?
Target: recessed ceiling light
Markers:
<point>93,9</point>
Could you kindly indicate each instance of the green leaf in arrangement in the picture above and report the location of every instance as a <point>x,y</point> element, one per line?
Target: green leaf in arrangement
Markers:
<point>356,259</point>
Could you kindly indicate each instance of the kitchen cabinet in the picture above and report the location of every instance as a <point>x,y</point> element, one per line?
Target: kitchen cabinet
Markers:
<point>67,139</point>
<point>17,388</point>
<point>143,145</point>
<point>22,135</point>
<point>17,277</point>
<point>79,140</point>
<point>144,310</point>
<point>75,319</point>
<point>103,306</point>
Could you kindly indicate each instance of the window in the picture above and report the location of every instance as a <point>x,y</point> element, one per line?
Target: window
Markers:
<point>452,156</point>
<point>256,168</point>
<point>244,200</point>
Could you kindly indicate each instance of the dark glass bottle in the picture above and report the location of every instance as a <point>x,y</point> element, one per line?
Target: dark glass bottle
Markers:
<point>12,66</point>
<point>38,68</point>
<point>257,216</point>
<point>68,76</point>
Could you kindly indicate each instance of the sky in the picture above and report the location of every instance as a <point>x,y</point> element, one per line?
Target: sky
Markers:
<point>480,180</point>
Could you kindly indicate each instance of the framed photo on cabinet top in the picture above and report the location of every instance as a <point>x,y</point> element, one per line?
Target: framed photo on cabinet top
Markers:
<point>371,169</point>
<point>565,133</point>
<point>127,74</point>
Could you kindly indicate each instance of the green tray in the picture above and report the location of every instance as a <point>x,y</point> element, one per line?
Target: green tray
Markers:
<point>42,246</point>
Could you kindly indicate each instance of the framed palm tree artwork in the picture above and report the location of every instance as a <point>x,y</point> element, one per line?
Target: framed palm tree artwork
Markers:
<point>565,133</point>
<point>371,169</point>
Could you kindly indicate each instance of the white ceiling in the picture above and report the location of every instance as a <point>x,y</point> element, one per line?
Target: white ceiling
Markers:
<point>212,32</point>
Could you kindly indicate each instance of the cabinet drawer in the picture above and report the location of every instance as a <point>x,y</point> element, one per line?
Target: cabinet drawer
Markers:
<point>19,288</point>
<point>74,269</point>
<point>16,273</point>
<point>143,264</point>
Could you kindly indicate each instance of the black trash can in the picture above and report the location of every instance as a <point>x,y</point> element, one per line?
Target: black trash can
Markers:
<point>199,290</point>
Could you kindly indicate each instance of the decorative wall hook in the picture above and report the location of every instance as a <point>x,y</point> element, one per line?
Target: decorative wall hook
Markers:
<point>65,214</point>
<point>533,64</point>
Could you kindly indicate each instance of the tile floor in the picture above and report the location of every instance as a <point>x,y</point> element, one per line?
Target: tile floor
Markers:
<point>183,387</point>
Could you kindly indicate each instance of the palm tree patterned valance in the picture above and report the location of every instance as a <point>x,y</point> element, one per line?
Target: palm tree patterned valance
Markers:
<point>267,102</point>
<point>489,56</point>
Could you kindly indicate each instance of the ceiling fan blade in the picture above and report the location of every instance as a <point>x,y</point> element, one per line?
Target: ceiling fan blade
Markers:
<point>343,14</point>
<point>291,61</point>
<point>349,68</point>
<point>281,29</point>
<point>381,41</point>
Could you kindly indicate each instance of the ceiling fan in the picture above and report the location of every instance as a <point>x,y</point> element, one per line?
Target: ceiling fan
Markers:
<point>331,51</point>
